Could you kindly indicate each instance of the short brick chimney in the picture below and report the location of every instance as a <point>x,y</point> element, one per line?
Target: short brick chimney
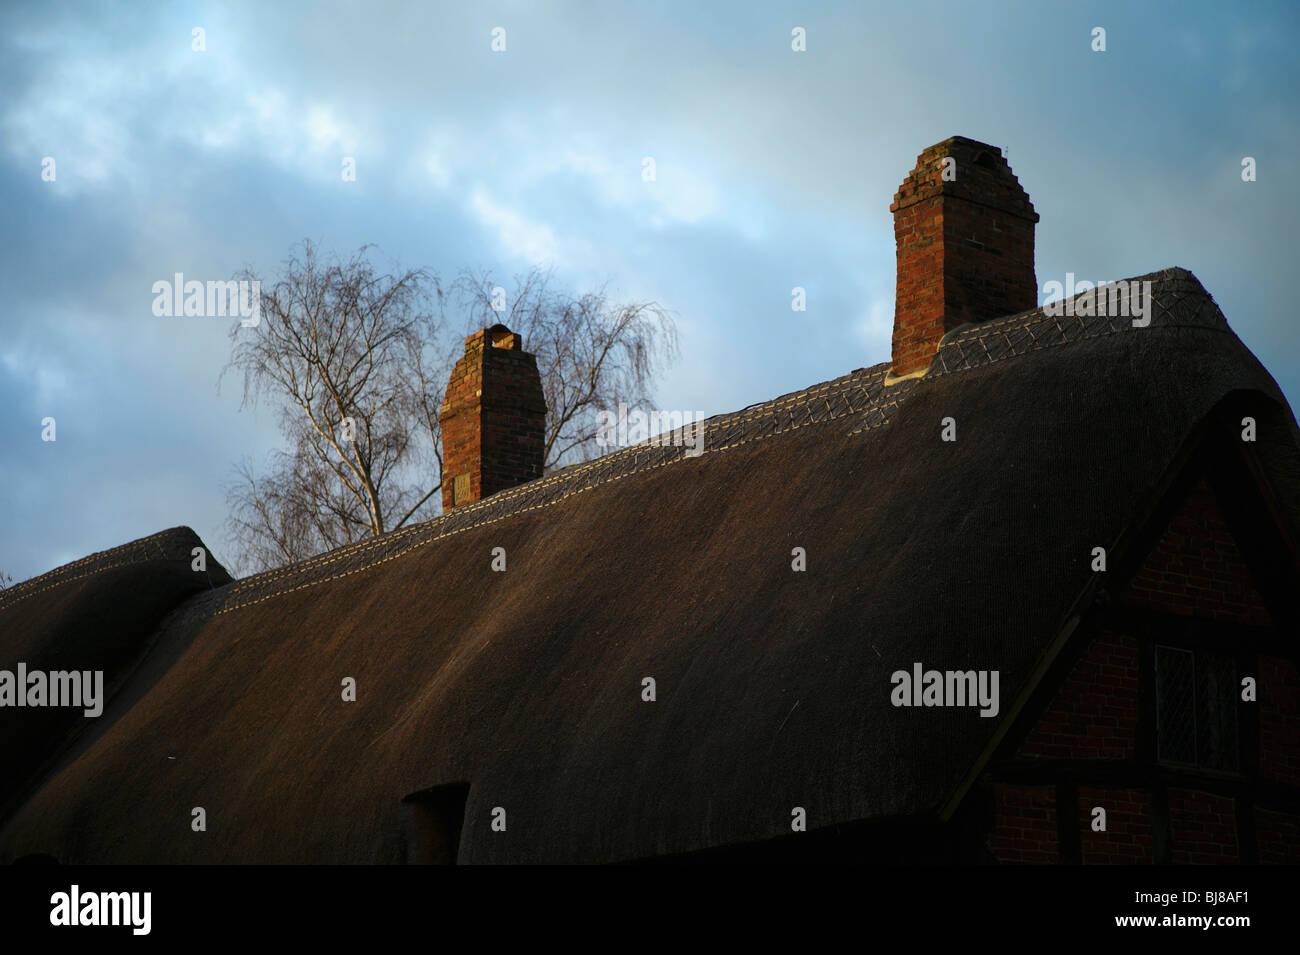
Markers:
<point>965,235</point>
<point>493,419</point>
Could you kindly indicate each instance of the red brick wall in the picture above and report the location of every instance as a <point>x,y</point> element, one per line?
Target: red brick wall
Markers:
<point>1278,695</point>
<point>461,425</point>
<point>965,248</point>
<point>514,419</point>
<point>1197,570</point>
<point>1194,570</point>
<point>1278,834</point>
<point>1024,824</point>
<point>1127,839</point>
<point>1203,828</point>
<point>1094,714</point>
<point>493,417</point>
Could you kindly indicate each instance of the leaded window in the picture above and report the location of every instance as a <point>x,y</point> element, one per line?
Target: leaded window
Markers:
<point>1196,709</point>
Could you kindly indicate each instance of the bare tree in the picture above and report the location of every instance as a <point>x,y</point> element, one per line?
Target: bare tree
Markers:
<point>350,355</point>
<point>592,354</point>
<point>357,362</point>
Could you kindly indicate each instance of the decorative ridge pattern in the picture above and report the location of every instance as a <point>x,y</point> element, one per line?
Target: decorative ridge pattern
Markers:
<point>1178,300</point>
<point>175,543</point>
<point>858,393</point>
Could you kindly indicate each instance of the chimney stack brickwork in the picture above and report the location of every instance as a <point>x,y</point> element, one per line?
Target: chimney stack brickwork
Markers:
<point>965,248</point>
<point>493,419</point>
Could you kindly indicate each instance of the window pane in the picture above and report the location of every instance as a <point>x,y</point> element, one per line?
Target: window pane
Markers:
<point>1216,711</point>
<point>1175,709</point>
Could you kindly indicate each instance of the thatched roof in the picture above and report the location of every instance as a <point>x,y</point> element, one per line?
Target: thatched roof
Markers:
<point>773,686</point>
<point>98,613</point>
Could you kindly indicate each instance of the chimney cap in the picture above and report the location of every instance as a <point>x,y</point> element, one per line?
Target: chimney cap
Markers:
<point>497,336</point>
<point>502,337</point>
<point>994,184</point>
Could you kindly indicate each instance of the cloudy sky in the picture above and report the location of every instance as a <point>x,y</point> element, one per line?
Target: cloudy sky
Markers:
<point>775,169</point>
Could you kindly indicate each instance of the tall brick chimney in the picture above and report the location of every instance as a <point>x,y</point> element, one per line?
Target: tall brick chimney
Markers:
<point>965,236</point>
<point>493,419</point>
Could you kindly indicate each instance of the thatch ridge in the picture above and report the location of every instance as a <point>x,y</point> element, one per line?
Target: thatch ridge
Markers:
<point>1177,297</point>
<point>174,543</point>
<point>98,613</point>
<point>856,394</point>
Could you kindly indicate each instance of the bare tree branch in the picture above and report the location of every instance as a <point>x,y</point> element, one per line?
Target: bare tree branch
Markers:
<point>347,353</point>
<point>356,361</point>
<point>592,354</point>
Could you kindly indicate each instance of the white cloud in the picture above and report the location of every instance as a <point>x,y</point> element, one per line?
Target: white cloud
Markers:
<point>321,127</point>
<point>875,329</point>
<point>677,195</point>
<point>613,184</point>
<point>438,173</point>
<point>43,372</point>
<point>519,236</point>
<point>283,131</point>
<point>684,196</point>
<point>74,115</point>
<point>105,124</point>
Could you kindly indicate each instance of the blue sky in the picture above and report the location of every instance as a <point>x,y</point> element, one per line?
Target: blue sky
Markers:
<point>775,169</point>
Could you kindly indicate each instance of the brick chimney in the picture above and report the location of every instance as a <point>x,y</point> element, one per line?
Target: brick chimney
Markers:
<point>493,419</point>
<point>965,236</point>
